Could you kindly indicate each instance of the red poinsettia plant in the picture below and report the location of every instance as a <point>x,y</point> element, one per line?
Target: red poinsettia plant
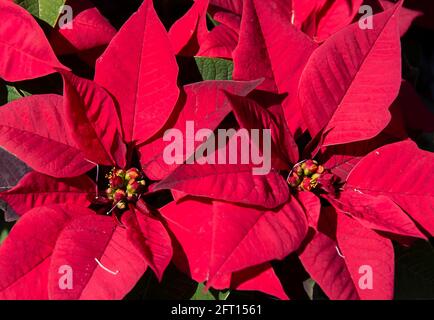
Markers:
<point>102,194</point>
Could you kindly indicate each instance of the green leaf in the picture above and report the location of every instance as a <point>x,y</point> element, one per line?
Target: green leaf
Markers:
<point>45,10</point>
<point>10,93</point>
<point>414,271</point>
<point>214,22</point>
<point>3,234</point>
<point>13,93</point>
<point>202,293</point>
<point>214,68</point>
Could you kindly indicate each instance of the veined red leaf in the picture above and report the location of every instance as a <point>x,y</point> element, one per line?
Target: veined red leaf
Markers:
<point>341,72</point>
<point>92,118</point>
<point>25,52</point>
<point>375,212</point>
<point>220,238</point>
<point>149,236</point>
<point>406,16</point>
<point>192,24</point>
<point>206,104</point>
<point>234,6</point>
<point>141,74</point>
<point>270,235</point>
<point>271,47</point>
<point>105,264</point>
<point>233,183</point>
<point>321,260</point>
<point>37,190</point>
<point>312,207</point>
<point>25,255</point>
<point>250,115</point>
<point>33,129</point>
<point>89,30</point>
<point>406,179</point>
<point>369,258</point>
<point>220,42</point>
<point>335,16</point>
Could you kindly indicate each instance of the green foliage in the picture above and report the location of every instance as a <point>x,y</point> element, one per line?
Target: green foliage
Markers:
<point>214,68</point>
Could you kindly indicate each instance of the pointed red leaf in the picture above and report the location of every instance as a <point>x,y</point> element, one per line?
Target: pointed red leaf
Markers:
<point>141,74</point>
<point>271,47</point>
<point>92,117</point>
<point>312,206</point>
<point>234,6</point>
<point>89,30</point>
<point>220,42</point>
<point>250,115</point>
<point>338,15</point>
<point>406,179</point>
<point>25,255</point>
<point>206,104</point>
<point>24,52</point>
<point>270,235</point>
<point>376,212</point>
<point>365,251</point>
<point>233,183</point>
<point>406,16</point>
<point>36,190</point>
<point>340,73</point>
<point>105,264</point>
<point>192,24</point>
<point>150,238</point>
<point>321,260</point>
<point>260,278</point>
<point>233,237</point>
<point>33,128</point>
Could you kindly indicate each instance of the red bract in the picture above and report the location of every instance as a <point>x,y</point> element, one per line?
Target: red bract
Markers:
<point>26,54</point>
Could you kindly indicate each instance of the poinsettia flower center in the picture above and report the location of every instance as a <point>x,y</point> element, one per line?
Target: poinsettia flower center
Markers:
<point>124,186</point>
<point>304,175</point>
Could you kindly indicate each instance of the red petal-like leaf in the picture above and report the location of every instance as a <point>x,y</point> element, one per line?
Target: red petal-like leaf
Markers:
<point>251,115</point>
<point>220,42</point>
<point>234,6</point>
<point>282,50</point>
<point>150,237</point>
<point>105,264</point>
<point>338,15</point>
<point>24,51</point>
<point>367,254</point>
<point>33,129</point>
<point>406,16</point>
<point>37,190</point>
<point>89,30</point>
<point>206,104</point>
<point>406,179</point>
<point>25,255</point>
<point>312,206</point>
<point>233,183</point>
<point>91,115</point>
<point>342,71</point>
<point>193,23</point>
<point>141,74</point>
<point>376,212</point>
<point>260,278</point>
<point>321,259</point>
<point>221,238</point>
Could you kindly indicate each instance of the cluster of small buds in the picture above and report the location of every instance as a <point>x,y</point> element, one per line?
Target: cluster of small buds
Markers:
<point>124,186</point>
<point>304,176</point>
